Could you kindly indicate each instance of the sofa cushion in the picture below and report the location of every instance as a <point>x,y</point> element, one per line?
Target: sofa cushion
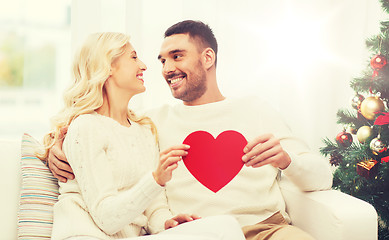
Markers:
<point>38,194</point>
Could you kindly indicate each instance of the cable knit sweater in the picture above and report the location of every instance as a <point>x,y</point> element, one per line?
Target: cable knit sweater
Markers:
<point>114,194</point>
<point>253,195</point>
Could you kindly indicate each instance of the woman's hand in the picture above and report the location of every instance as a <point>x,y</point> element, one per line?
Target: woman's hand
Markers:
<point>180,218</point>
<point>168,161</point>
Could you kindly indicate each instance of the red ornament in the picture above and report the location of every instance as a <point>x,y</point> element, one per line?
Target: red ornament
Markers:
<point>344,139</point>
<point>382,119</point>
<point>378,62</point>
<point>385,159</point>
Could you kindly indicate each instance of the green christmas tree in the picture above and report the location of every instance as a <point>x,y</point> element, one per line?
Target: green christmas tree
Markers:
<point>360,152</point>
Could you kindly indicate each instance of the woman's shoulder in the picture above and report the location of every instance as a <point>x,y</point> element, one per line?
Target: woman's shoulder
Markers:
<point>84,123</point>
<point>85,120</point>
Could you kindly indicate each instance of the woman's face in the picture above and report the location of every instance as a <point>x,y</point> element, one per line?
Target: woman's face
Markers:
<point>127,72</point>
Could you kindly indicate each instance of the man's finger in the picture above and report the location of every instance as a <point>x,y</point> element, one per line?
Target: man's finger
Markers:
<point>54,170</point>
<point>262,155</point>
<point>62,132</point>
<point>260,149</point>
<point>256,141</point>
<point>194,216</point>
<point>57,152</point>
<point>262,163</point>
<point>61,179</point>
<point>64,166</point>
<point>181,218</point>
<point>170,223</point>
<point>58,169</point>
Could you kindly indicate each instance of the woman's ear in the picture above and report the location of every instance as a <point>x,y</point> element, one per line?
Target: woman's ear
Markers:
<point>209,58</point>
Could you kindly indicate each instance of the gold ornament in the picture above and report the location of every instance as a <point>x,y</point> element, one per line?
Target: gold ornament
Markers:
<point>364,133</point>
<point>370,106</point>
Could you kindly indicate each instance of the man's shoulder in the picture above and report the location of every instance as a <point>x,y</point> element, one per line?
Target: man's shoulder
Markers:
<point>158,112</point>
<point>248,100</point>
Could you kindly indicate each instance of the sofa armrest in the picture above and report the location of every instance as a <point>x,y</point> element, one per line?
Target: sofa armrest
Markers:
<point>10,187</point>
<point>330,214</point>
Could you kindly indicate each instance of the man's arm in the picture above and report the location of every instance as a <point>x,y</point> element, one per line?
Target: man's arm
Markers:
<point>281,149</point>
<point>57,162</point>
<point>266,149</point>
<point>307,170</point>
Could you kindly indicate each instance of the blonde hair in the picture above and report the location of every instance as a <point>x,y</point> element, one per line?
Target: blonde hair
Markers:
<point>91,68</point>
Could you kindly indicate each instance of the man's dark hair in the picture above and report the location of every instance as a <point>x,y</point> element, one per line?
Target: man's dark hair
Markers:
<point>197,31</point>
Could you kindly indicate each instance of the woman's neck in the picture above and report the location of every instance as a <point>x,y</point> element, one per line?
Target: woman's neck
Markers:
<point>116,109</point>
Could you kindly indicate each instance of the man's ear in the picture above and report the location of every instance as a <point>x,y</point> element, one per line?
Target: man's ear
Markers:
<point>209,58</point>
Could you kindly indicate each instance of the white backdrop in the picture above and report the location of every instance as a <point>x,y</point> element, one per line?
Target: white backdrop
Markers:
<point>300,55</point>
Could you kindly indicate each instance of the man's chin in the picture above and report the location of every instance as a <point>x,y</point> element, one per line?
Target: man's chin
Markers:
<point>176,94</point>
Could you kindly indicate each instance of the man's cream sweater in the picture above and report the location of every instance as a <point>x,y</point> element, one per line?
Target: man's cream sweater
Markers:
<point>253,195</point>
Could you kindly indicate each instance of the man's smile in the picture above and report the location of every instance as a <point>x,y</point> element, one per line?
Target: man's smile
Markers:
<point>175,81</point>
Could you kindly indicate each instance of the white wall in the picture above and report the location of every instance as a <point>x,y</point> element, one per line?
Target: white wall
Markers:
<point>300,55</point>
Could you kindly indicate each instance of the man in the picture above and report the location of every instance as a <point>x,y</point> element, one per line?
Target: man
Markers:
<point>188,55</point>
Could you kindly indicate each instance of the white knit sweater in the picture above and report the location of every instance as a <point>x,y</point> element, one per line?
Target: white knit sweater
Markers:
<point>114,194</point>
<point>254,194</point>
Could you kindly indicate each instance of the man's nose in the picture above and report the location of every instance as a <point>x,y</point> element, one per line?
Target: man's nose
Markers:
<point>168,67</point>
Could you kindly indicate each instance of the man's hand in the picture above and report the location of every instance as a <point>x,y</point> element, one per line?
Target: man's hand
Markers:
<point>57,162</point>
<point>168,161</point>
<point>180,218</point>
<point>263,150</point>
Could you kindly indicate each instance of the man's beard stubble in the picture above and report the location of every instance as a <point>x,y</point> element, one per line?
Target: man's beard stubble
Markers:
<point>195,87</point>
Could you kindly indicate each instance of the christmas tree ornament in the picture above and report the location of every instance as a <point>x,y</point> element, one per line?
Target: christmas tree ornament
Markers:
<point>372,106</point>
<point>377,146</point>
<point>364,133</point>
<point>351,129</point>
<point>382,119</point>
<point>336,159</point>
<point>344,139</point>
<point>368,168</point>
<point>385,159</point>
<point>356,101</point>
<point>378,62</point>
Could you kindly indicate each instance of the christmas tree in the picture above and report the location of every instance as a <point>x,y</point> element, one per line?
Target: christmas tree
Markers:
<point>360,152</point>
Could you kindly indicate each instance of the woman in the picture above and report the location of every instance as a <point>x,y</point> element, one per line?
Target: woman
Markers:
<point>115,193</point>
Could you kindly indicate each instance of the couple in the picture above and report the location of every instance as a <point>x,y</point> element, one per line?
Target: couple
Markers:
<point>121,189</point>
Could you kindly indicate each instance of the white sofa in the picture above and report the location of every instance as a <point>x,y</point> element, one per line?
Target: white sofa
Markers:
<point>327,215</point>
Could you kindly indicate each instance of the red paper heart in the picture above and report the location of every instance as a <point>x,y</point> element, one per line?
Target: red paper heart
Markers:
<point>214,162</point>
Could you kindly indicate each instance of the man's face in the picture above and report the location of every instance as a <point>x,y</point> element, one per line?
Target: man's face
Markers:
<point>182,67</point>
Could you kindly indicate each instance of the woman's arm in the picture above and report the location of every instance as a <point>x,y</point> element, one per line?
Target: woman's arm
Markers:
<point>85,147</point>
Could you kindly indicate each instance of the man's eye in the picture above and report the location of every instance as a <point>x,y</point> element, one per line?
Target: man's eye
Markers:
<point>177,56</point>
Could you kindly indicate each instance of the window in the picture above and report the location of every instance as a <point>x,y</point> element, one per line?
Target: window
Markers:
<point>34,64</point>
